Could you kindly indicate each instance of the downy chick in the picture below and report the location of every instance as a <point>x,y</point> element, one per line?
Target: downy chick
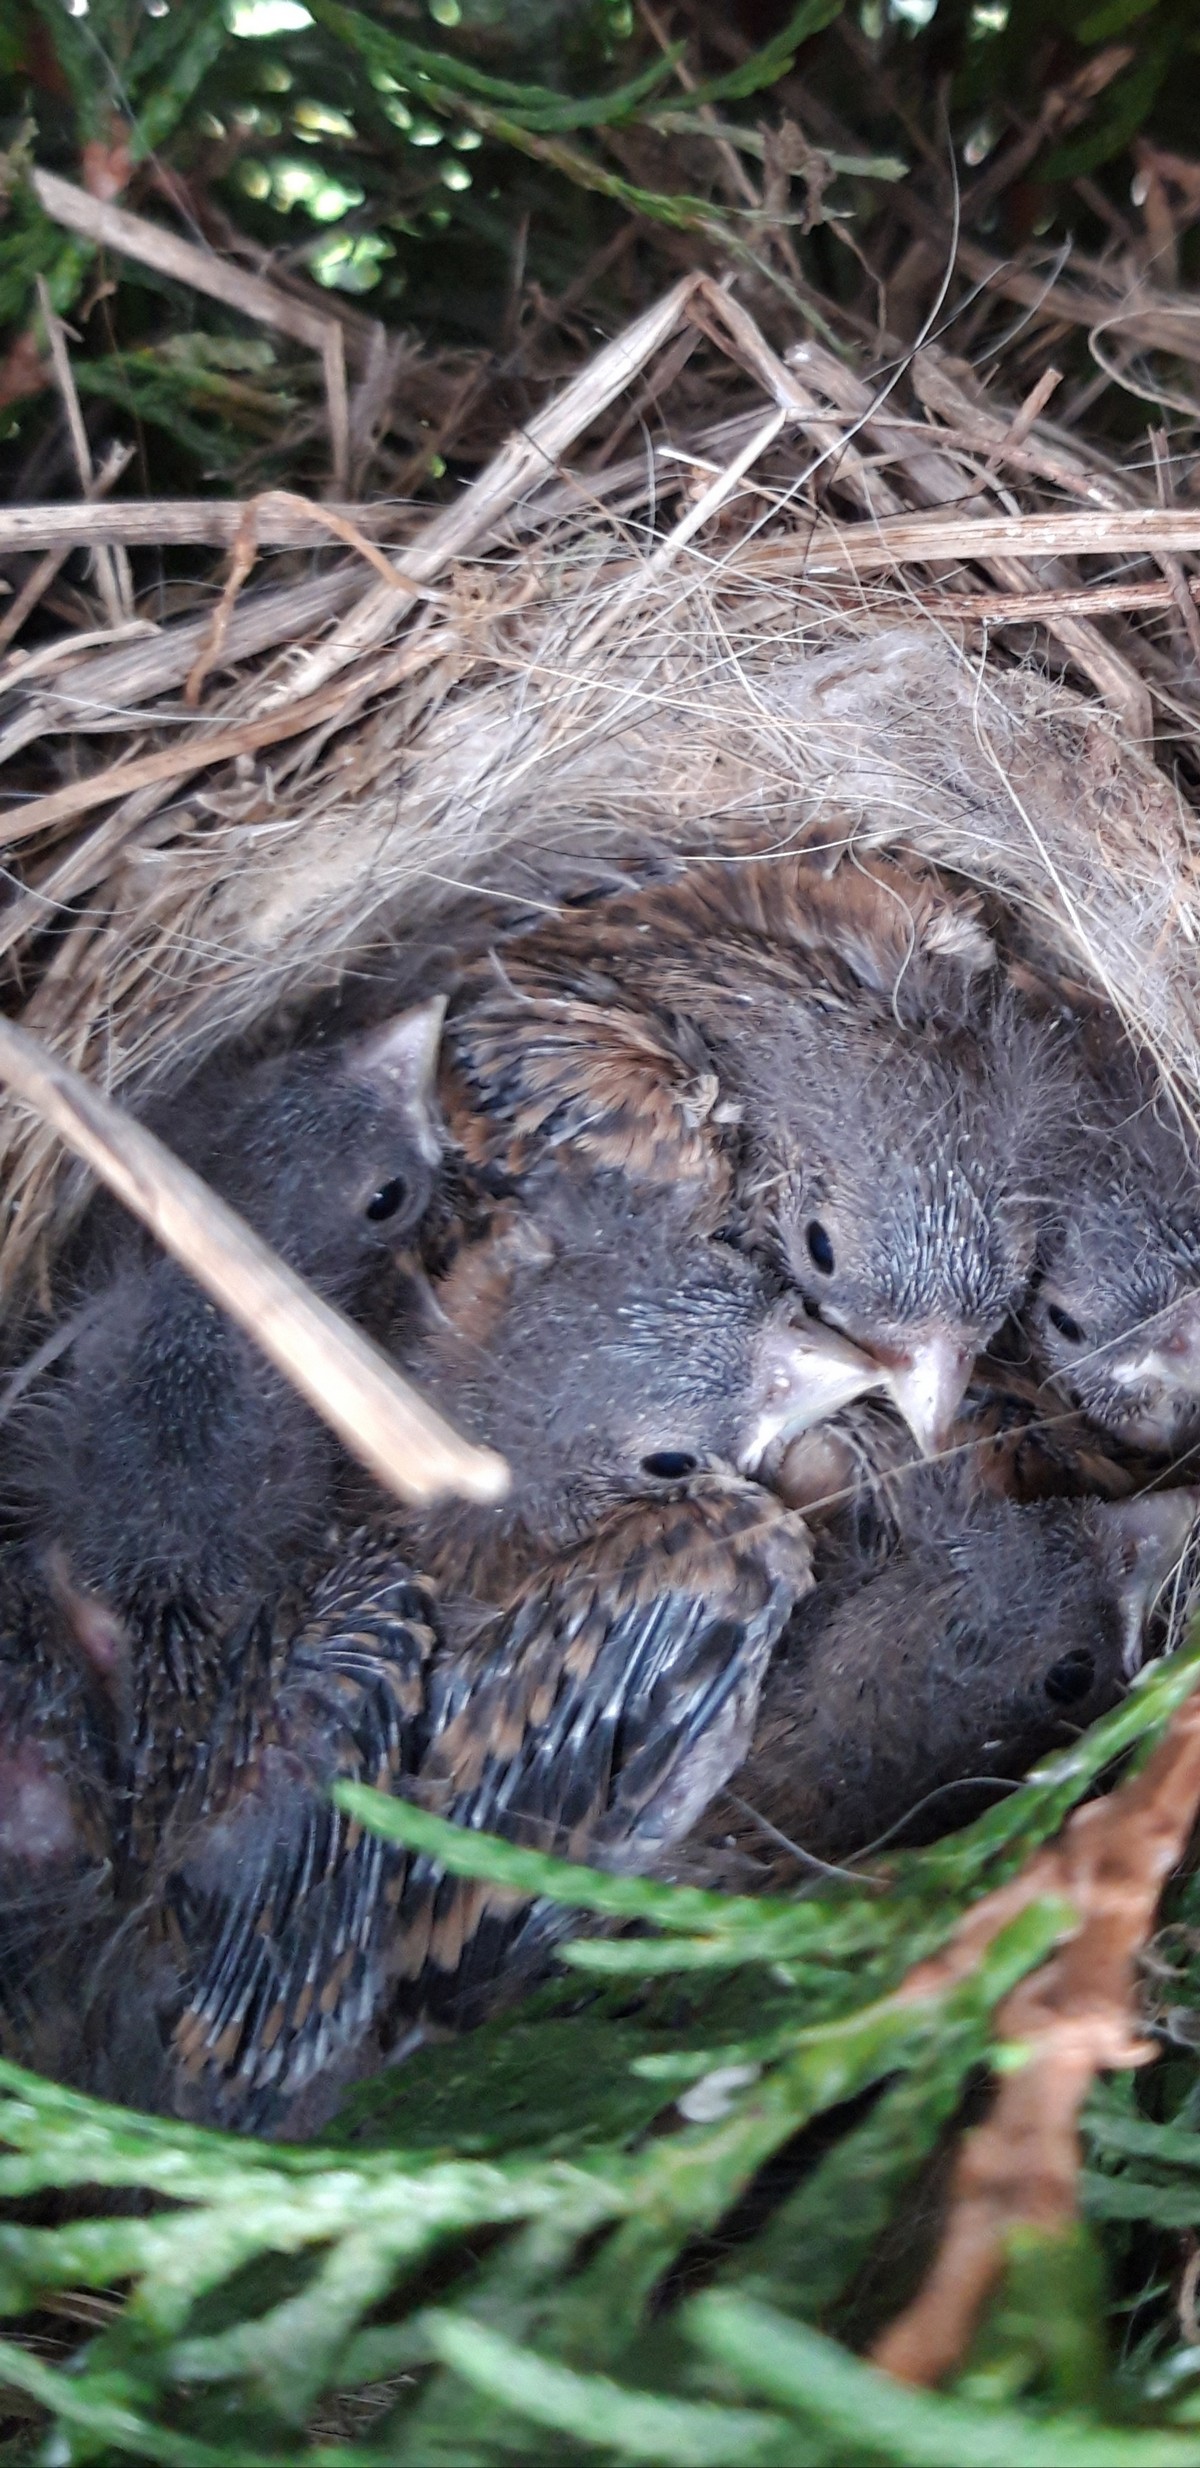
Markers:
<point>990,1634</point>
<point>173,1455</point>
<point>178,1472</point>
<point>830,1056</point>
<point>614,1351</point>
<point>1115,1315</point>
<point>61,1721</point>
<point>582,1675</point>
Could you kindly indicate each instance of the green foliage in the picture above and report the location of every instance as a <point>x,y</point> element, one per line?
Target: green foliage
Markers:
<point>412,156</point>
<point>650,2214</point>
<point>502,2239</point>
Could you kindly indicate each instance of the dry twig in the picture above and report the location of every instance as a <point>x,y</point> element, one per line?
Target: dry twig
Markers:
<point>109,566</point>
<point>83,527</point>
<point>1074,2017</point>
<point>282,519</point>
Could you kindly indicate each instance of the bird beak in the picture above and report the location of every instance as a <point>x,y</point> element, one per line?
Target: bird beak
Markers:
<point>1149,1535</point>
<point>403,1055</point>
<point>806,1373</point>
<point>1172,1355</point>
<point>927,1382</point>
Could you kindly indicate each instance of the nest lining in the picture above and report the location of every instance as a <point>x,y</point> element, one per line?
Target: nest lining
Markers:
<point>606,687</point>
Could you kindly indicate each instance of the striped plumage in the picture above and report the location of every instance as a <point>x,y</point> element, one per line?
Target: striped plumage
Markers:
<point>63,1712</point>
<point>280,1910</point>
<point>828,1055</point>
<point>592,1716</point>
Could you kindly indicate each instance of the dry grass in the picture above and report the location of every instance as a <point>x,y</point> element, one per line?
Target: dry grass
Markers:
<point>808,619</point>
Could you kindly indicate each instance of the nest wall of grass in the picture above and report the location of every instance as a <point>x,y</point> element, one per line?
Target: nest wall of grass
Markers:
<point>947,629</point>
<point>808,622</point>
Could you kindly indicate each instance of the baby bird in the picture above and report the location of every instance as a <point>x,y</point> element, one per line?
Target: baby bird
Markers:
<point>1115,1314</point>
<point>592,1716</point>
<point>581,1674</point>
<point>615,1351</point>
<point>987,1629</point>
<point>830,1057</point>
<point>1012,1440</point>
<point>60,1721</point>
<point>176,1469</point>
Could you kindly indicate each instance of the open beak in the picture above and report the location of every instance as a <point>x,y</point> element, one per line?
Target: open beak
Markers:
<point>927,1382</point>
<point>806,1373</point>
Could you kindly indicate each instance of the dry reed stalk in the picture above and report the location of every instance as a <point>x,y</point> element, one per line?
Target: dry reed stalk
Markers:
<point>1072,2018</point>
<point>281,520</point>
<point>403,1441</point>
<point>84,517</point>
<point>110,567</point>
<point>1011,608</point>
<point>528,458</point>
<point>917,539</point>
<point>176,763</point>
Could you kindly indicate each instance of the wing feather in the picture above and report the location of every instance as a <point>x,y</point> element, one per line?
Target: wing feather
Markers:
<point>282,1903</point>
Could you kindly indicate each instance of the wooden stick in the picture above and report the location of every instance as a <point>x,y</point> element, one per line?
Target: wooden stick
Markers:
<point>1011,608</point>
<point>110,568</point>
<point>201,269</point>
<point>39,581</point>
<point>914,539</point>
<point>382,1421</point>
<point>281,520</point>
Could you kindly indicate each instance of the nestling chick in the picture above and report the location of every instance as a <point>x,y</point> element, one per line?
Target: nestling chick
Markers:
<point>1012,1440</point>
<point>834,1049</point>
<point>601,1638</point>
<point>593,1716</point>
<point>611,1348</point>
<point>281,1913</point>
<point>988,1629</point>
<point>170,1456</point>
<point>61,1690</point>
<point>1115,1316</point>
<point>178,1471</point>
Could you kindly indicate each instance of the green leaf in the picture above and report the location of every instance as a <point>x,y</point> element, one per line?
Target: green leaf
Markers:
<point>438,78</point>
<point>1112,18</point>
<point>775,60</point>
<point>861,2410</point>
<point>633,2424</point>
<point>186,57</point>
<point>1044,2331</point>
<point>466,1853</point>
<point>1125,106</point>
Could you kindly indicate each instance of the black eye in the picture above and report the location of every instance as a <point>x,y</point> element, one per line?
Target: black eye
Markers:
<point>669,1465</point>
<point>1063,1322</point>
<point>820,1249</point>
<point>1069,1680</point>
<point>388,1199</point>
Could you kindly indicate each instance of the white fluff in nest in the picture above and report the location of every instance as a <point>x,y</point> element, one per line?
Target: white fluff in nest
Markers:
<point>717,718</point>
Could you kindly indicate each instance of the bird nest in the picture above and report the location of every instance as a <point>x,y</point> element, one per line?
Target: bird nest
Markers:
<point>907,618</point>
<point>818,618</point>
